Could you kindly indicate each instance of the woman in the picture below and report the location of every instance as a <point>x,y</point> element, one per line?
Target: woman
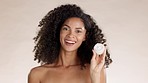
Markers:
<point>64,47</point>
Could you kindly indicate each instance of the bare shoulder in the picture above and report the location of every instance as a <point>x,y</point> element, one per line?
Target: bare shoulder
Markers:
<point>39,70</point>
<point>36,74</point>
<point>36,70</point>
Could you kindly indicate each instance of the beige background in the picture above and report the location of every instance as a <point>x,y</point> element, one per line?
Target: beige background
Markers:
<point>124,22</point>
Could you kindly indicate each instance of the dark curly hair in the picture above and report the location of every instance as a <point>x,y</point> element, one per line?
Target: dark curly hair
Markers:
<point>48,43</point>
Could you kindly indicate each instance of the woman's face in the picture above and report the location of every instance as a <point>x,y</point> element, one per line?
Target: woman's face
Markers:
<point>72,34</point>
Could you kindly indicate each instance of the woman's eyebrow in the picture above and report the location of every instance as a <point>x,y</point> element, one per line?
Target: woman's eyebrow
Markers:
<point>66,25</point>
<point>82,28</point>
<point>79,28</point>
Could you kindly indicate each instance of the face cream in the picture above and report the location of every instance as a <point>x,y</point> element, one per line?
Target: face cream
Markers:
<point>99,48</point>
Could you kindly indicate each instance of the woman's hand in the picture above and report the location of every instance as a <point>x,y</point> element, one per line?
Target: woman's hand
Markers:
<point>97,64</point>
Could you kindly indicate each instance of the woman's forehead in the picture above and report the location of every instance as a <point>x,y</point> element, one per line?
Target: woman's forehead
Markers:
<point>74,22</point>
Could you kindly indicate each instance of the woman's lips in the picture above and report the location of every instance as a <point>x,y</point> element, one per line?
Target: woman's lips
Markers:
<point>69,42</point>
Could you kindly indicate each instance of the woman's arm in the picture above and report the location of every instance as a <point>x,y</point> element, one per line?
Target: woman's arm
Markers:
<point>103,76</point>
<point>97,69</point>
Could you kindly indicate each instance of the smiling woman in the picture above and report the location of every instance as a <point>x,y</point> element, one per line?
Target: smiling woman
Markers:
<point>72,34</point>
<point>64,46</point>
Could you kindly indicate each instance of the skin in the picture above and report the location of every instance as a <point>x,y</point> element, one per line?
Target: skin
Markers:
<point>67,67</point>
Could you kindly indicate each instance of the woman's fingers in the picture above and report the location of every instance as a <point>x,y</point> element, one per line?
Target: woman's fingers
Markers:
<point>94,55</point>
<point>97,61</point>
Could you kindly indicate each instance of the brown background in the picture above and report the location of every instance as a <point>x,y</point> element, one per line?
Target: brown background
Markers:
<point>124,22</point>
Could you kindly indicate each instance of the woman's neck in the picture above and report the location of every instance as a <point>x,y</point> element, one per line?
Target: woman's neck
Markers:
<point>67,59</point>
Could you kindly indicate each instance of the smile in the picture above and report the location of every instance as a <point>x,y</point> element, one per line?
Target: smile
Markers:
<point>69,42</point>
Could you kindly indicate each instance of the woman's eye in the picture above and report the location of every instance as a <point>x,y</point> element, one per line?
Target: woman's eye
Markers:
<point>78,31</point>
<point>65,28</point>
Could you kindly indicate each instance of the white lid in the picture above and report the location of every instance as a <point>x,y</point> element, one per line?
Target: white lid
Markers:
<point>99,48</point>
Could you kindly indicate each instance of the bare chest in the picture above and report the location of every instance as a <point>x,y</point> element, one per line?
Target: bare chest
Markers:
<point>66,76</point>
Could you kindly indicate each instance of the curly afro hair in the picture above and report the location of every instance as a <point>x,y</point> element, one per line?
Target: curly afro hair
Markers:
<point>47,40</point>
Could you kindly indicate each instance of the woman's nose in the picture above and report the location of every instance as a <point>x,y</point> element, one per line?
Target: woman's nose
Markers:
<point>70,34</point>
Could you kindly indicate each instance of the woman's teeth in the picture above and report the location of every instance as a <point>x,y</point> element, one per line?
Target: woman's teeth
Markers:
<point>71,42</point>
